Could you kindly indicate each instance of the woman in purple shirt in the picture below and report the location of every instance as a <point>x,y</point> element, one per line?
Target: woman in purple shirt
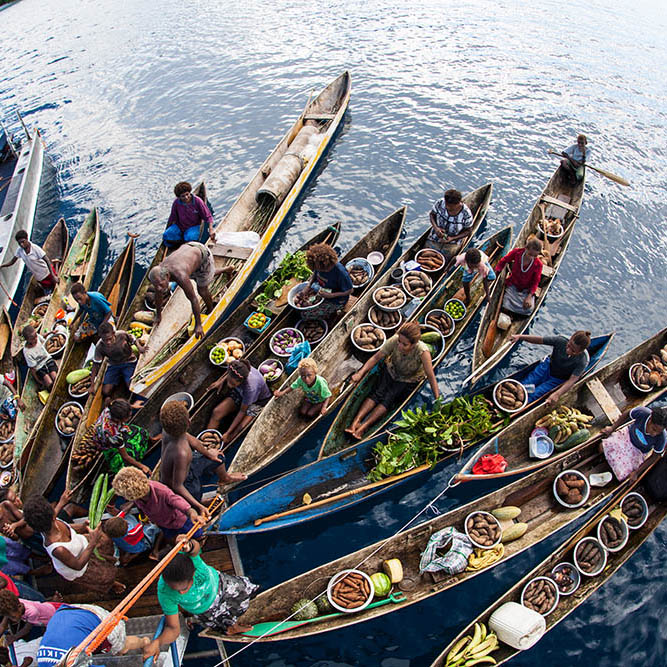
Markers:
<point>187,213</point>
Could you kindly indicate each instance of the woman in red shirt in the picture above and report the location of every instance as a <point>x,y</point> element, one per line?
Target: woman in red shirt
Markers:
<point>526,271</point>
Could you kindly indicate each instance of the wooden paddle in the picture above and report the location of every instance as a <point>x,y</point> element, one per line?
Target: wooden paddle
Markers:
<point>607,174</point>
<point>492,331</point>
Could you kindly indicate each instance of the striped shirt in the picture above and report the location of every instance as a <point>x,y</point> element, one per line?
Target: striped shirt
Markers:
<point>451,224</point>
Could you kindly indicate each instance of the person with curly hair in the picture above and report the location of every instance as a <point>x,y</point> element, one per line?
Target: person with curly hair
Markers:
<point>330,280</point>
<point>188,212</point>
<point>186,461</point>
<point>407,361</point>
<point>30,611</point>
<point>71,547</point>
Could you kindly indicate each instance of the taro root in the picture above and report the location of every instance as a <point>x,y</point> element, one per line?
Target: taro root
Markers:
<point>540,595</point>
<point>633,510</point>
<point>571,488</point>
<point>369,337</point>
<point>589,556</point>
<point>483,531</point>
<point>351,591</point>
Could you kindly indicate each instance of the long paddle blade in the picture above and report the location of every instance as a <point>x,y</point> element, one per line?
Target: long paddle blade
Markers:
<point>610,176</point>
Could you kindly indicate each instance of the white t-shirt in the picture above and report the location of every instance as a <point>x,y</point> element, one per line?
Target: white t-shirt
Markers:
<point>36,356</point>
<point>34,260</point>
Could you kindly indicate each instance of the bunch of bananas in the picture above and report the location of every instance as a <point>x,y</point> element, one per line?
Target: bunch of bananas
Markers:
<point>473,650</point>
<point>563,422</point>
<point>481,558</point>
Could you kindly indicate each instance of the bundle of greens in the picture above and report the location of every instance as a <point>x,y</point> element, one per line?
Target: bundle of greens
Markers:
<point>292,266</point>
<point>424,437</point>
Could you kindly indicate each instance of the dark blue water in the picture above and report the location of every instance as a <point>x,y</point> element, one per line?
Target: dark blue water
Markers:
<point>132,97</point>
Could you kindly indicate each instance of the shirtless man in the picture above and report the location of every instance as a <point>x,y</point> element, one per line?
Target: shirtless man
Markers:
<point>192,261</point>
<point>182,470</point>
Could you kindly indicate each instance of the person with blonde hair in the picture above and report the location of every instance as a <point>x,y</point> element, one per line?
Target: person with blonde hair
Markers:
<point>407,361</point>
<point>525,272</point>
<point>315,388</point>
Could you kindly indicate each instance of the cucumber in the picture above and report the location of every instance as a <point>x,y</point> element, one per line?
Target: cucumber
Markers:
<point>577,438</point>
<point>76,376</point>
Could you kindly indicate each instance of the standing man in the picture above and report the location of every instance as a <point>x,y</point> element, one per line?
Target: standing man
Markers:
<point>187,213</point>
<point>451,222</point>
<point>574,159</point>
<point>192,261</point>
<point>35,260</point>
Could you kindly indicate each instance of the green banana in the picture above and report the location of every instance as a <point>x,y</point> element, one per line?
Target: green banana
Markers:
<point>453,656</point>
<point>476,638</point>
<point>484,631</point>
<point>488,645</point>
<point>478,661</point>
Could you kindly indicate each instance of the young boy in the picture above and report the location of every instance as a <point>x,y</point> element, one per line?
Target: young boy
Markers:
<point>43,369</point>
<point>315,388</point>
<point>94,308</point>
<point>132,537</point>
<point>35,260</point>
<point>475,261</point>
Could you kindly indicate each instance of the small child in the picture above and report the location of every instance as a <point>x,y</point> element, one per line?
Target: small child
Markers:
<point>315,388</point>
<point>39,361</point>
<point>132,537</point>
<point>29,611</point>
<point>475,261</point>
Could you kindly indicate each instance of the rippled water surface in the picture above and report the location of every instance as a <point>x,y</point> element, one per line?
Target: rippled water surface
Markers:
<point>132,97</point>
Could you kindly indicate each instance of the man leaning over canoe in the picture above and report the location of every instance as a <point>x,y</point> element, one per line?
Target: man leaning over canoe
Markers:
<point>192,261</point>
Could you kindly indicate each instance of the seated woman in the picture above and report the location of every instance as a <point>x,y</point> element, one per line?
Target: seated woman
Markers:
<point>521,284</point>
<point>215,599</point>
<point>407,360</point>
<point>121,443</point>
<point>565,365</point>
<point>71,547</point>
<point>249,395</point>
<point>626,450</point>
<point>330,280</point>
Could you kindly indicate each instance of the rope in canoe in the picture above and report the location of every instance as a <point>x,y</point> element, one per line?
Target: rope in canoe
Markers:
<point>104,629</point>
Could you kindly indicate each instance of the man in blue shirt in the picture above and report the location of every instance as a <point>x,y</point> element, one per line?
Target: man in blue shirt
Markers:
<point>93,308</point>
<point>574,159</point>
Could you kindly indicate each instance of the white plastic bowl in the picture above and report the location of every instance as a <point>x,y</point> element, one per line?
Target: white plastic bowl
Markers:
<point>603,564</point>
<point>294,291</point>
<point>423,268</point>
<point>210,430</point>
<point>361,349</point>
<point>341,575</point>
<point>375,258</point>
<point>553,584</point>
<point>281,369</point>
<point>626,533</point>
<point>420,273</point>
<point>288,352</point>
<point>233,339</point>
<point>39,305</point>
<point>300,323</point>
<point>495,396</point>
<point>491,518</point>
<point>465,309</point>
<point>60,409</point>
<point>390,308</point>
<point>425,328</point>
<point>51,334</point>
<point>73,395</point>
<point>373,311</point>
<point>181,396</point>
<point>642,500</point>
<point>632,382</point>
<point>217,363</point>
<point>364,264</point>
<point>440,311</point>
<point>584,495</point>
<point>576,577</point>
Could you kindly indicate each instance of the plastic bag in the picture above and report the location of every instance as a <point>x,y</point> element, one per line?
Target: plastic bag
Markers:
<point>489,464</point>
<point>299,352</point>
<point>455,560</point>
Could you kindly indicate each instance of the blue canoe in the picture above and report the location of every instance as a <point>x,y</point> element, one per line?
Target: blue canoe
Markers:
<point>340,480</point>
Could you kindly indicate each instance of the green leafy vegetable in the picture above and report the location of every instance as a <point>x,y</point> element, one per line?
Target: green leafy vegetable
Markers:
<point>292,266</point>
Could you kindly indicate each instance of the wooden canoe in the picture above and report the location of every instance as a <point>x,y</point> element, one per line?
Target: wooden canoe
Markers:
<point>337,359</point>
<point>197,373</point>
<point>558,189</point>
<point>255,210</point>
<point>564,553</point>
<point>605,394</point>
<point>49,452</point>
<point>336,438</point>
<point>538,509</point>
<point>55,246</point>
<point>338,481</point>
<point>79,265</point>
<point>8,367</point>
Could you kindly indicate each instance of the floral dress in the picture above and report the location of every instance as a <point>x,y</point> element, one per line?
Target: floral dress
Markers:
<point>110,436</point>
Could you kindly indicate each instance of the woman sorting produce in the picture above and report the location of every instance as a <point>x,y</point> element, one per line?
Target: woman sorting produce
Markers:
<point>330,280</point>
<point>407,360</point>
<point>565,365</point>
<point>626,449</point>
<point>521,284</point>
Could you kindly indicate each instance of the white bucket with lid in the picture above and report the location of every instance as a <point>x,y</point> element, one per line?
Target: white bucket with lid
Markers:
<point>517,626</point>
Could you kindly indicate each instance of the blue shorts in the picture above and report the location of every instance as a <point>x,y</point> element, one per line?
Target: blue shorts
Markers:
<point>469,275</point>
<point>117,372</point>
<point>174,236</point>
<point>171,533</point>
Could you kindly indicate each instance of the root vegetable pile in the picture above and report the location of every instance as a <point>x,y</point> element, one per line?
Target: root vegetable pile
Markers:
<point>510,395</point>
<point>612,532</point>
<point>6,429</point>
<point>212,439</point>
<point>633,510</point>
<point>384,318</point>
<point>7,450</point>
<point>233,346</point>
<point>564,578</point>
<point>306,298</point>
<point>55,343</point>
<point>390,297</point>
<point>417,284</point>
<point>359,275</point>
<point>589,556</point>
<point>40,311</point>
<point>69,417</point>
<point>571,488</point>
<point>540,595</point>
<point>313,330</point>
<point>554,227</point>
<point>431,260</point>
<point>440,321</point>
<point>80,387</point>
<point>368,337</point>
<point>483,530</point>
<point>351,591</point>
<point>652,372</point>
<point>86,451</point>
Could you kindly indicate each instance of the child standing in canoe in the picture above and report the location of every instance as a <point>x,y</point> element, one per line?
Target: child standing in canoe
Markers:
<point>475,261</point>
<point>314,387</point>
